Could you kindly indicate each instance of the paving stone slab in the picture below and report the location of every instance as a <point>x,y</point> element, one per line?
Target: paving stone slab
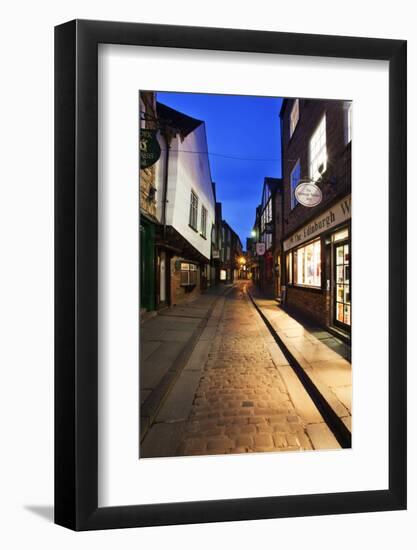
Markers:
<point>321,437</point>
<point>158,363</point>
<point>162,440</point>
<point>179,401</point>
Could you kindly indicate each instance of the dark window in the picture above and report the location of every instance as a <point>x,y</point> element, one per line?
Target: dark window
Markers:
<point>193,210</point>
<point>188,274</point>
<point>203,221</point>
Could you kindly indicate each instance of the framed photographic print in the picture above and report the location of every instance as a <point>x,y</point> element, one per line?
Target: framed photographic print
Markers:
<point>230,275</point>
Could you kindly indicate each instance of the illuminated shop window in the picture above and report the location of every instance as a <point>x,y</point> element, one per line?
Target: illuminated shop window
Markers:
<point>307,265</point>
<point>340,235</point>
<point>343,305</point>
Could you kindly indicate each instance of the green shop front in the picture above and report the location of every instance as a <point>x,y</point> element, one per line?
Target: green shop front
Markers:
<point>147,263</point>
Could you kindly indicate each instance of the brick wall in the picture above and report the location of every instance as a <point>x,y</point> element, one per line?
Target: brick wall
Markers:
<point>180,294</point>
<point>312,304</point>
<point>336,183</point>
<point>297,147</point>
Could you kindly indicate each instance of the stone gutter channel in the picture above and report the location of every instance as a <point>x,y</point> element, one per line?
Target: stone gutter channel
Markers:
<point>330,410</point>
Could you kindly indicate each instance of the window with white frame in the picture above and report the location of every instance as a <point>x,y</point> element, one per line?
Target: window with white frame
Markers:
<point>318,151</point>
<point>294,116</point>
<point>193,210</point>
<point>294,179</point>
<point>204,221</point>
<point>188,274</point>
<point>307,265</point>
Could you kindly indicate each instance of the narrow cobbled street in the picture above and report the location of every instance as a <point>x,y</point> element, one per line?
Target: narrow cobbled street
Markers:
<point>241,401</point>
<point>241,404</point>
<point>245,279</point>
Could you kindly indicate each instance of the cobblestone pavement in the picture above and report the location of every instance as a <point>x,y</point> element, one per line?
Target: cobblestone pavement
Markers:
<point>241,404</point>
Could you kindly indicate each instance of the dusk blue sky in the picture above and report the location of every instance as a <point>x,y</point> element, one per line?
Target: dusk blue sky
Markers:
<point>247,127</point>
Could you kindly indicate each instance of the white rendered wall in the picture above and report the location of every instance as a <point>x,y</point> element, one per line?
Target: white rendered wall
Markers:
<point>188,171</point>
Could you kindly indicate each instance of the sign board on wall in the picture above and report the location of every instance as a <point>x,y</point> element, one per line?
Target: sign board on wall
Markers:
<point>308,194</point>
<point>150,151</point>
<point>332,217</point>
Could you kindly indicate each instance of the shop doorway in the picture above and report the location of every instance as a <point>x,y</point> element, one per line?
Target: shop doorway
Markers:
<point>147,265</point>
<point>342,285</point>
<point>162,279</point>
<point>278,277</point>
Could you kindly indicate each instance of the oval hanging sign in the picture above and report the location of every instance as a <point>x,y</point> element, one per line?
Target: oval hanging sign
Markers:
<point>149,148</point>
<point>308,194</point>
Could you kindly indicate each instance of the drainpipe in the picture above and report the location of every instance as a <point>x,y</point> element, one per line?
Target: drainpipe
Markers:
<point>165,184</point>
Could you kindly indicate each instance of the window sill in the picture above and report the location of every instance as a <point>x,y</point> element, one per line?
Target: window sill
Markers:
<point>189,287</point>
<point>193,228</point>
<point>307,287</point>
<point>203,237</point>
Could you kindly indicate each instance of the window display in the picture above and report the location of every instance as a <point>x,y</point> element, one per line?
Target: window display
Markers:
<point>307,265</point>
<point>343,313</point>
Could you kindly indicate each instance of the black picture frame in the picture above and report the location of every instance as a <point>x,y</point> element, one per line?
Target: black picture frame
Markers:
<point>76,271</point>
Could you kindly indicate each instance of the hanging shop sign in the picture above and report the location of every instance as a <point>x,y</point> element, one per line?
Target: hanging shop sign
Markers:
<point>260,249</point>
<point>149,149</point>
<point>308,194</point>
<point>332,217</point>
